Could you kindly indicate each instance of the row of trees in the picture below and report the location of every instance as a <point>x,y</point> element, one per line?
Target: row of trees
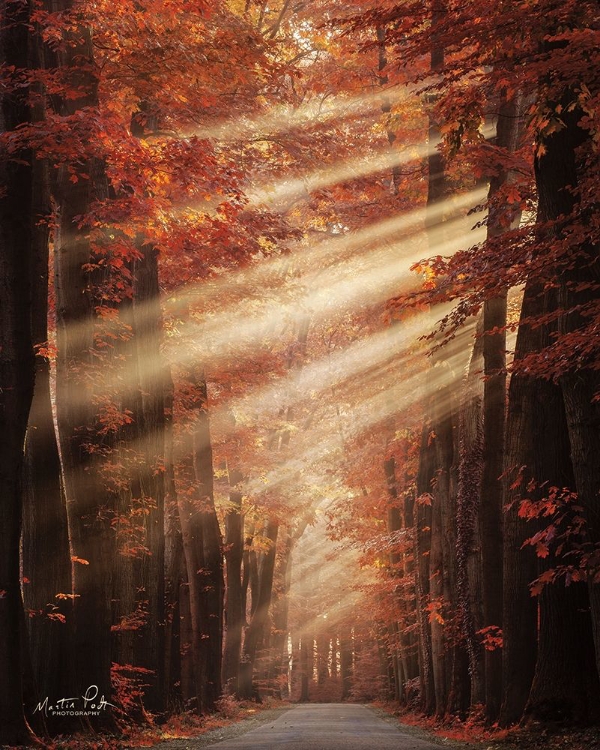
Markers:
<point>212,348</point>
<point>491,536</point>
<point>118,148</point>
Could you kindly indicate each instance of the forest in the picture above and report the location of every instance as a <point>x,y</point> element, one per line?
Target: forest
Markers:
<point>299,359</point>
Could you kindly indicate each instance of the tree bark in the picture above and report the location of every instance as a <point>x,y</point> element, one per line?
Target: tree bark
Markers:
<point>202,546</point>
<point>559,172</point>
<point>90,507</point>
<point>565,685</point>
<point>494,423</point>
<point>519,567</point>
<point>234,610</point>
<point>423,522</point>
<point>45,545</point>
<point>467,519</point>
<point>257,629</point>
<point>17,372</point>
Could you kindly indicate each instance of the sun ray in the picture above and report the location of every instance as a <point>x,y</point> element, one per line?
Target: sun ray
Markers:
<point>314,113</point>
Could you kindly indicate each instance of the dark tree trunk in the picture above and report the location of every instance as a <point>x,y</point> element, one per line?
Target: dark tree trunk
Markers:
<point>565,685</point>
<point>396,523</point>
<point>257,629</point>
<point>559,171</point>
<point>174,566</point>
<point>494,422</point>
<point>437,570</point>
<point>346,661</point>
<point>139,575</point>
<point>234,609</point>
<point>306,664</point>
<point>17,372</point>
<point>202,546</point>
<point>520,568</point>
<point>213,583</point>
<point>423,521</point>
<point>467,520</point>
<point>278,674</point>
<point>490,516</point>
<point>45,546</point>
<point>46,559</point>
<point>90,506</point>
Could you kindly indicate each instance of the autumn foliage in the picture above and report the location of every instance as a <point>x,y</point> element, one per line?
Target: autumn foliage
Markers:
<point>299,359</point>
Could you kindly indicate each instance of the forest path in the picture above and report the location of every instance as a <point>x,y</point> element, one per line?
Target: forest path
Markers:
<point>321,726</point>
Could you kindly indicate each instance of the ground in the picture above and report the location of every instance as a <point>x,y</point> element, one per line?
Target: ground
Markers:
<point>191,733</point>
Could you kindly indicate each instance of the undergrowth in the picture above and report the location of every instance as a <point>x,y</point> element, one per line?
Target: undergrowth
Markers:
<point>474,731</point>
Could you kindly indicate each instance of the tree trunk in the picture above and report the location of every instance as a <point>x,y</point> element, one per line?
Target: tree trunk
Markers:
<point>139,576</point>
<point>346,660</point>
<point>45,545</point>
<point>423,522</point>
<point>234,611</point>
<point>202,550</point>
<point>278,675</point>
<point>17,373</point>
<point>559,171</point>
<point>257,629</point>
<point>565,685</point>
<point>519,567</point>
<point>90,506</point>
<point>467,519</point>
<point>306,666</point>
<point>494,421</point>
<point>437,572</point>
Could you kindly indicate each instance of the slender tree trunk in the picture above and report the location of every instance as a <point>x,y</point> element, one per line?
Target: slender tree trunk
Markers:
<point>139,577</point>
<point>90,506</point>
<point>306,666</point>
<point>396,523</point>
<point>278,676</point>
<point>428,517</point>
<point>46,569</point>
<point>467,517</point>
<point>346,660</point>
<point>423,523</point>
<point>234,611</point>
<point>188,641</point>
<point>437,571</point>
<point>174,565</point>
<point>174,575</point>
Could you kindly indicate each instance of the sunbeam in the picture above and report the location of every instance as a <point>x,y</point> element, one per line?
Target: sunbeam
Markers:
<point>311,114</point>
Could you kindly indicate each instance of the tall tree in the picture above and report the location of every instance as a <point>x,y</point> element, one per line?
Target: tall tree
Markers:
<point>17,364</point>
<point>494,417</point>
<point>80,183</point>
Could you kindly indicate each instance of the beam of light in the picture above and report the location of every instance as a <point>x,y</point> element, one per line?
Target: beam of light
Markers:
<point>305,587</point>
<point>406,385</point>
<point>352,280</point>
<point>331,370</point>
<point>367,279</point>
<point>283,118</point>
<point>271,272</point>
<point>280,194</point>
<point>286,191</point>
